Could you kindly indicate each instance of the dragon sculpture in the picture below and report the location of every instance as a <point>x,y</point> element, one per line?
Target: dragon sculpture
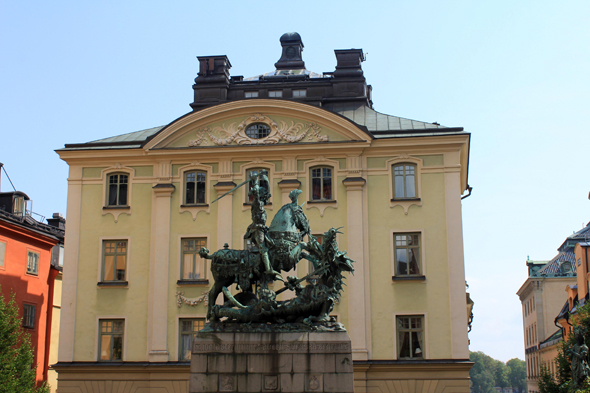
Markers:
<point>277,248</point>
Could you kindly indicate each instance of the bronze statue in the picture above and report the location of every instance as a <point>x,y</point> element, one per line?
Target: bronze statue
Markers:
<point>277,248</point>
<point>579,356</point>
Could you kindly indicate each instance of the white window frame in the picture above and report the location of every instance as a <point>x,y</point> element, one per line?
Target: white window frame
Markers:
<point>35,271</point>
<point>195,209</point>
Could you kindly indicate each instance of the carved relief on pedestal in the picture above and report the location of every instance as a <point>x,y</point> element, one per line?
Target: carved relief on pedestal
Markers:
<point>234,133</point>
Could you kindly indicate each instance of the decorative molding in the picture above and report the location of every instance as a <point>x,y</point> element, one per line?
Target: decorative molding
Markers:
<point>194,301</point>
<point>228,134</point>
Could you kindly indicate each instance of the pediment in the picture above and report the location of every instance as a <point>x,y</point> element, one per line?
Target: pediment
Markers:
<point>284,122</point>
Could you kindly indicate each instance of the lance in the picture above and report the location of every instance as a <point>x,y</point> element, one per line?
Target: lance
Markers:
<point>262,173</point>
<point>316,272</point>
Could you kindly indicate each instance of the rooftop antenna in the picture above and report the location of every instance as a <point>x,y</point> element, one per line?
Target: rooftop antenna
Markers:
<point>4,169</point>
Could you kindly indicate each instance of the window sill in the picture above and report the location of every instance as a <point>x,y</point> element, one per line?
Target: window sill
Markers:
<point>323,201</point>
<point>408,278</point>
<point>196,205</point>
<point>405,199</point>
<point>115,207</point>
<point>112,283</point>
<point>192,282</point>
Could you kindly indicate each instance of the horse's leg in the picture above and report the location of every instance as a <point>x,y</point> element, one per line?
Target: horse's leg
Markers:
<point>211,297</point>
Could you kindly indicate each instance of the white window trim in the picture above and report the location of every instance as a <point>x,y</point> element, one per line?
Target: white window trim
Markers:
<point>405,204</point>
<point>175,354</point>
<point>97,335</point>
<point>425,342</point>
<point>127,264</point>
<point>321,206</point>
<point>179,257</point>
<point>104,174</point>
<point>5,241</point>
<point>36,251</point>
<point>423,264</point>
<point>194,210</point>
<point>270,167</point>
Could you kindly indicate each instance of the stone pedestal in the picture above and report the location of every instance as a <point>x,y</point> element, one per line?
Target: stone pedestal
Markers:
<point>272,362</point>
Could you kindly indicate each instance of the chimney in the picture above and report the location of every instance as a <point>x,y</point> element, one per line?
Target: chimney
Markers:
<point>348,63</point>
<point>212,83</point>
<point>292,47</point>
<point>57,221</point>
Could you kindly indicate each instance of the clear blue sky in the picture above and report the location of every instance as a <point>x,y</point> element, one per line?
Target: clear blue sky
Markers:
<point>514,74</point>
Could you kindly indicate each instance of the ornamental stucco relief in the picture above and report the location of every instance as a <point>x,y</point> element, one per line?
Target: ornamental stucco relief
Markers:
<point>236,133</point>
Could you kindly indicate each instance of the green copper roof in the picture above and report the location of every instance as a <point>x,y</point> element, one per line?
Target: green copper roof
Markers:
<point>378,124</point>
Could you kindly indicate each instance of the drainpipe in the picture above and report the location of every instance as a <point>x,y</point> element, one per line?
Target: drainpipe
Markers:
<point>469,192</point>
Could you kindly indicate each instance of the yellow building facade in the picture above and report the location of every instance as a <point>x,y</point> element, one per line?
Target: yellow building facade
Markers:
<point>140,204</point>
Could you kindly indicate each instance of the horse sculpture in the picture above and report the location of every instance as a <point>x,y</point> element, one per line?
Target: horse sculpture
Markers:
<point>276,248</point>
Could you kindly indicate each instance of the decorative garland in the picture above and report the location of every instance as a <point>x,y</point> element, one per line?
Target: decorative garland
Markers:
<point>195,301</point>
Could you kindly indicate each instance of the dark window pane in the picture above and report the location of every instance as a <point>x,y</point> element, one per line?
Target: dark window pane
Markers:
<point>123,194</point>
<point>112,194</point>
<point>327,188</point>
<point>200,192</point>
<point>404,343</point>
<point>117,348</point>
<point>190,193</point>
<point>316,191</point>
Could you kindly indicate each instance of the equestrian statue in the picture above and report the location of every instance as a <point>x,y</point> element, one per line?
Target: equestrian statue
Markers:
<point>276,249</point>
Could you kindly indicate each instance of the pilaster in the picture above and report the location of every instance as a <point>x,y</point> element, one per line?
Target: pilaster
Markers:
<point>356,284</point>
<point>159,261</point>
<point>452,176</point>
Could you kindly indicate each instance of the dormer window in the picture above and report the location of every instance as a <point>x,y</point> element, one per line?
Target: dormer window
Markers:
<point>251,94</point>
<point>19,206</point>
<point>257,131</point>
<point>275,94</point>
<point>299,93</point>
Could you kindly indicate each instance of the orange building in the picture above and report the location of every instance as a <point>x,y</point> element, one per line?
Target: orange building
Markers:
<point>29,265</point>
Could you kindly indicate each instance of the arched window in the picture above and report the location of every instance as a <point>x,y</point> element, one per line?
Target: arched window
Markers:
<point>117,189</point>
<point>195,186</point>
<point>263,183</point>
<point>404,181</point>
<point>321,184</point>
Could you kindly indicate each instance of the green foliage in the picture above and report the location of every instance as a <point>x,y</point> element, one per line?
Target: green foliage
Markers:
<point>561,381</point>
<point>16,353</point>
<point>488,373</point>
<point>517,374</point>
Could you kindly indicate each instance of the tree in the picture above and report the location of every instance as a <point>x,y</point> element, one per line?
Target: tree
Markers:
<point>481,374</point>
<point>500,374</point>
<point>517,374</point>
<point>16,353</point>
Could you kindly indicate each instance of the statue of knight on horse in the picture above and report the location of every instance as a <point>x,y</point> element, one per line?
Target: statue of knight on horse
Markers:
<point>275,249</point>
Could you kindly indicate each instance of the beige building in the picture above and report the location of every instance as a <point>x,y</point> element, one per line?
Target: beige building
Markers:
<point>140,206</point>
<point>542,297</point>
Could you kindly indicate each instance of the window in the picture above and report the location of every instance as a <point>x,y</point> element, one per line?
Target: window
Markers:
<point>410,332</point>
<point>117,190</point>
<point>257,131</point>
<point>19,206</point>
<point>192,266</point>
<point>251,94</point>
<point>110,341</point>
<point>275,94</point>
<point>188,331</point>
<point>321,184</point>
<point>2,253</point>
<point>407,254</point>
<point>300,93</point>
<point>263,183</point>
<point>114,260</point>
<point>404,181</point>
<point>195,186</point>
<point>33,263</point>
<point>29,316</point>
